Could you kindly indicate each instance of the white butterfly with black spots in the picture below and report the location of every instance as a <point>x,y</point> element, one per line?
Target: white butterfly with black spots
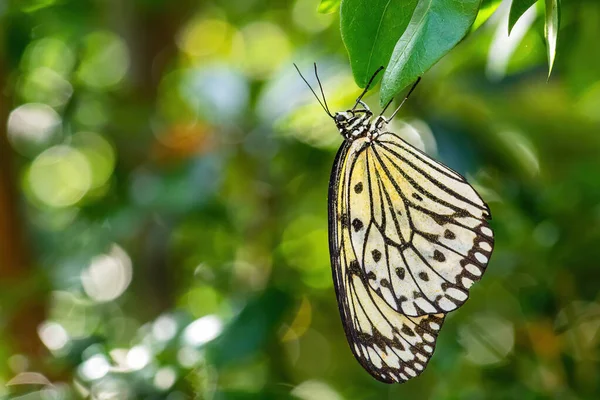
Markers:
<point>408,237</point>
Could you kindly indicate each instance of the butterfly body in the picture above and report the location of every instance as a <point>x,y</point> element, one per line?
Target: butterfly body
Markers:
<point>354,124</point>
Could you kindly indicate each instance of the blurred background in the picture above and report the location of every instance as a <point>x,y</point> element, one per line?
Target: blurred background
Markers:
<point>163,203</point>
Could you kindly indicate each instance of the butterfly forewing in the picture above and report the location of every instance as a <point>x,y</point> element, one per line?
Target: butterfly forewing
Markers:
<point>408,237</point>
<point>449,220</point>
<point>418,230</point>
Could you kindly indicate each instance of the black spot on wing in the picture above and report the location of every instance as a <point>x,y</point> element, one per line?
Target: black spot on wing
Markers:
<point>449,234</point>
<point>401,272</point>
<point>354,267</point>
<point>358,188</point>
<point>439,256</point>
<point>357,224</point>
<point>376,255</point>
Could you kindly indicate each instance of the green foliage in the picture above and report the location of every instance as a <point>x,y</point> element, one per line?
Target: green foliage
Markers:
<point>518,8</point>
<point>486,10</point>
<point>409,37</point>
<point>370,30</point>
<point>435,28</point>
<point>391,33</point>
<point>552,26</point>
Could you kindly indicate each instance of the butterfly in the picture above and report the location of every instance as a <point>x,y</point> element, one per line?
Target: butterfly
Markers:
<point>408,236</point>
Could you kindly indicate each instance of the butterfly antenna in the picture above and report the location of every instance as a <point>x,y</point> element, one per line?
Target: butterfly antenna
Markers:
<point>403,101</point>
<point>311,89</point>
<point>322,92</point>
<point>358,100</point>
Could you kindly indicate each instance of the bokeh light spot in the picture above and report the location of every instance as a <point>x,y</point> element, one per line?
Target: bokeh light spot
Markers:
<point>105,60</point>
<point>219,93</point>
<point>60,176</point>
<point>305,17</point>
<point>188,357</point>
<point>53,335</point>
<point>99,153</point>
<point>32,127</point>
<point>202,330</point>
<point>51,53</point>
<point>112,388</point>
<point>203,300</point>
<point>108,275</point>
<point>165,378</point>
<point>266,47</point>
<point>138,357</point>
<point>94,368</point>
<point>18,363</point>
<point>204,37</point>
<point>74,312</point>
<point>43,85</point>
<point>164,328</point>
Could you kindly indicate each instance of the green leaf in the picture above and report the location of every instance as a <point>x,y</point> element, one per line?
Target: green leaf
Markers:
<point>328,6</point>
<point>552,26</point>
<point>435,28</point>
<point>486,10</point>
<point>370,29</point>
<point>517,9</point>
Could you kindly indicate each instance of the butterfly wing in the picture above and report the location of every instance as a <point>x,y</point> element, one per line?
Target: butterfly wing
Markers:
<point>418,230</point>
<point>391,346</point>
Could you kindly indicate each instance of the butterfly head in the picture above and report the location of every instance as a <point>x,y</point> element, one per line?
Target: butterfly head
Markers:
<point>342,118</point>
<point>355,122</point>
<point>352,123</point>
